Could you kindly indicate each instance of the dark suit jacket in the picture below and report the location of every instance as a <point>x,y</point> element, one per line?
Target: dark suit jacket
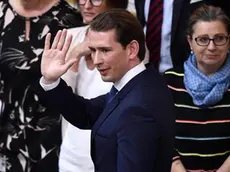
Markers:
<point>133,133</point>
<point>182,9</point>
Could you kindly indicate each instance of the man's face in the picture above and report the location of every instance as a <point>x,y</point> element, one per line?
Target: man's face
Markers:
<point>110,58</point>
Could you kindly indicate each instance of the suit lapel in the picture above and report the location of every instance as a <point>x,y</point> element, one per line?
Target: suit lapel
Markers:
<point>112,106</point>
<point>116,100</point>
<point>107,111</point>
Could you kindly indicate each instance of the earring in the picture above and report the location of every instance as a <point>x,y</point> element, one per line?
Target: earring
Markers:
<point>191,52</point>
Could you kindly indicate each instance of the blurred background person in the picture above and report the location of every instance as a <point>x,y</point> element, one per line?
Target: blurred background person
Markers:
<point>85,81</point>
<point>30,134</point>
<point>202,96</point>
<point>131,6</point>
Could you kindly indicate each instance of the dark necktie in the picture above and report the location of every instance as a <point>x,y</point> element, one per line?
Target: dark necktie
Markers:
<point>112,94</point>
<point>153,32</point>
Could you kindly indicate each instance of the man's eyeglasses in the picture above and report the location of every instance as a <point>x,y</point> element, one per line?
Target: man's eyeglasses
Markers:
<point>218,40</point>
<point>95,3</point>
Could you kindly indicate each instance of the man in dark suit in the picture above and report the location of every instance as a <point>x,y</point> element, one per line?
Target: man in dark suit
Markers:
<point>132,129</point>
<point>176,45</point>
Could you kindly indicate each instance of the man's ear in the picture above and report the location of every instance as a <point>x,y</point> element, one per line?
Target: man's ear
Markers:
<point>133,49</point>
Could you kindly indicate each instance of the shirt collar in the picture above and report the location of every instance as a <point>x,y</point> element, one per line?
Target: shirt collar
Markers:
<point>129,75</point>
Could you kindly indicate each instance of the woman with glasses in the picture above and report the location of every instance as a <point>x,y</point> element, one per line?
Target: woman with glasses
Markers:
<point>85,81</point>
<point>202,95</point>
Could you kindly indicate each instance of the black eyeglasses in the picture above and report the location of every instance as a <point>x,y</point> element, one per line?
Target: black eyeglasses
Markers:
<point>218,40</point>
<point>95,3</point>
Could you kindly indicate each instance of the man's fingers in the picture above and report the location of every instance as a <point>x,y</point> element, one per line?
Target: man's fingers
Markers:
<point>67,44</point>
<point>56,39</point>
<point>47,42</point>
<point>62,40</point>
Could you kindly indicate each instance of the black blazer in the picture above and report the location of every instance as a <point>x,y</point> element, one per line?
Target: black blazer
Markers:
<point>140,6</point>
<point>181,11</point>
<point>133,133</point>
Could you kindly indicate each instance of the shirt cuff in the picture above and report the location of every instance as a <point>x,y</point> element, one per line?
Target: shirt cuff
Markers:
<point>48,87</point>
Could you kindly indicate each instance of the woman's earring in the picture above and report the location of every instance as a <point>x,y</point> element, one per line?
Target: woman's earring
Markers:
<point>191,52</point>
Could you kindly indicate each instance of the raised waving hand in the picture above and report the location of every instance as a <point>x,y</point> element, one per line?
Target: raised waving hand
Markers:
<point>54,62</point>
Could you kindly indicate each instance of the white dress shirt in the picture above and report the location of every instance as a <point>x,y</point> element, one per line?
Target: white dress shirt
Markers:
<point>129,75</point>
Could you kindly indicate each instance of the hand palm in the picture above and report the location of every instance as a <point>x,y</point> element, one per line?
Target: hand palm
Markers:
<point>53,63</point>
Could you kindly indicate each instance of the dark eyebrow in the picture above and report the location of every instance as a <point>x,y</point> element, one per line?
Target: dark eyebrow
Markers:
<point>100,48</point>
<point>91,48</point>
<point>107,48</point>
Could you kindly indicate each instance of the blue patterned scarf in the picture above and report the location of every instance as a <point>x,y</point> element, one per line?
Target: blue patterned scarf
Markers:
<point>205,90</point>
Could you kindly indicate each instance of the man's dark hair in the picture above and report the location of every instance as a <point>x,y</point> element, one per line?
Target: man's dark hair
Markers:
<point>127,28</point>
